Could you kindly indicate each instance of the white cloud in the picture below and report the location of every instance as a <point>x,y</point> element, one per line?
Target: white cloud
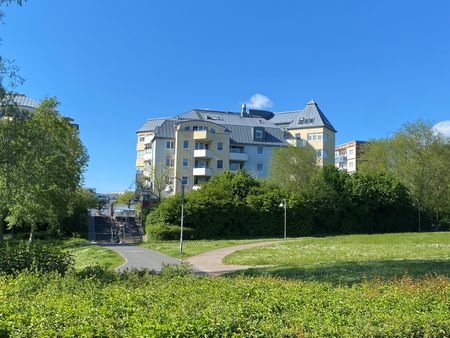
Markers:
<point>259,101</point>
<point>443,127</point>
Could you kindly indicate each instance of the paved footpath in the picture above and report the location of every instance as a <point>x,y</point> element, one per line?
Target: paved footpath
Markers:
<point>141,258</point>
<point>210,262</point>
<point>207,263</point>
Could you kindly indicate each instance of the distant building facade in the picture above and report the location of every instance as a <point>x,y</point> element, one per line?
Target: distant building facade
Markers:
<point>202,143</point>
<point>347,155</point>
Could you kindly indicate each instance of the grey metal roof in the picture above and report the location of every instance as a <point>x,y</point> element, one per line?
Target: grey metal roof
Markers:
<point>25,101</point>
<point>242,127</point>
<point>151,124</point>
<point>311,113</point>
<point>245,135</point>
<point>222,117</point>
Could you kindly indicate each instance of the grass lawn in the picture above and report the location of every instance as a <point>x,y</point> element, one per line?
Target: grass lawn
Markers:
<point>350,259</point>
<point>195,247</point>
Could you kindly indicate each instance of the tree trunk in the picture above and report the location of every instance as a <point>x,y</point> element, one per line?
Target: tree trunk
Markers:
<point>31,239</point>
<point>2,228</point>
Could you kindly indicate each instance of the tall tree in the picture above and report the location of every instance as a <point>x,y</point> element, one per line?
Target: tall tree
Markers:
<point>41,181</point>
<point>418,157</point>
<point>292,167</point>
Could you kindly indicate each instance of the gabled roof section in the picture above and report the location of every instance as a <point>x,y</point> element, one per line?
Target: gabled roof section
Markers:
<point>309,117</point>
<point>151,124</point>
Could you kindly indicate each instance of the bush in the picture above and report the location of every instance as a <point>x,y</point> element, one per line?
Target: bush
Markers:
<point>34,257</point>
<point>164,232</point>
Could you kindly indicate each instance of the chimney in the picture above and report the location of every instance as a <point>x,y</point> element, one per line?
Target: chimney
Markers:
<point>244,110</point>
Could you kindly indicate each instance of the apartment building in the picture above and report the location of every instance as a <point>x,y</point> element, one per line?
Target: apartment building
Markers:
<point>201,143</point>
<point>347,155</point>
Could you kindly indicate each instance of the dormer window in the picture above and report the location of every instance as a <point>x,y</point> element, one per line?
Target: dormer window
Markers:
<point>259,134</point>
<point>301,120</point>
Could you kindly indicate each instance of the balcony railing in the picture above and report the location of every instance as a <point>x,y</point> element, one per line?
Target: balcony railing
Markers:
<point>202,135</point>
<point>341,158</point>
<point>202,172</point>
<point>148,139</point>
<point>202,153</point>
<point>148,156</point>
<point>238,157</point>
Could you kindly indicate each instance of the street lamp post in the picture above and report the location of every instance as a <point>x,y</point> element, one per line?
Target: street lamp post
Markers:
<point>169,190</point>
<point>284,205</point>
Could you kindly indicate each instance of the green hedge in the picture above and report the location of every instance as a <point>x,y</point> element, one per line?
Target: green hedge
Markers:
<point>167,232</point>
<point>236,205</point>
<point>35,257</point>
<point>107,304</point>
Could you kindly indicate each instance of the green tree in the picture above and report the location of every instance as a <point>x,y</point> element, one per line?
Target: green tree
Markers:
<point>125,197</point>
<point>40,183</point>
<point>417,156</point>
<point>292,167</point>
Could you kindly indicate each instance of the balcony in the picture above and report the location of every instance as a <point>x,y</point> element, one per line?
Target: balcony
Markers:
<point>202,153</point>
<point>202,135</point>
<point>238,157</point>
<point>148,140</point>
<point>202,172</point>
<point>341,158</point>
<point>148,156</point>
<point>296,142</point>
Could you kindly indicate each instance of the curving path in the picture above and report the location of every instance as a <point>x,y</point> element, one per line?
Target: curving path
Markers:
<point>141,258</point>
<point>210,262</point>
<point>207,263</point>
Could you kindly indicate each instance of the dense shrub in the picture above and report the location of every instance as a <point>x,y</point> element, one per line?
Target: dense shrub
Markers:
<point>137,304</point>
<point>35,256</point>
<point>332,202</point>
<point>167,232</point>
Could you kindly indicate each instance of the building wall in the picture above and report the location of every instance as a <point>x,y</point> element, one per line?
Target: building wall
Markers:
<point>351,151</point>
<point>329,145</point>
<point>251,166</point>
<point>213,138</point>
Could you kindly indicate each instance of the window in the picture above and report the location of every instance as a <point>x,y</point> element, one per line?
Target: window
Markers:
<point>322,153</point>
<point>187,128</point>
<point>236,166</point>
<point>139,170</point>
<point>201,164</point>
<point>195,128</point>
<point>236,149</point>
<point>186,144</point>
<point>213,130</point>
<point>259,167</point>
<point>259,150</point>
<point>219,164</point>
<point>169,144</point>
<point>185,162</point>
<point>141,138</point>
<point>184,180</point>
<point>298,136</point>
<point>350,151</point>
<point>200,145</point>
<point>318,137</point>
<point>169,162</point>
<point>350,164</point>
<point>220,146</point>
<point>259,134</point>
<point>140,154</point>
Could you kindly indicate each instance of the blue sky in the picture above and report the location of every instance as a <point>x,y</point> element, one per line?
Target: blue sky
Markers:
<point>370,65</point>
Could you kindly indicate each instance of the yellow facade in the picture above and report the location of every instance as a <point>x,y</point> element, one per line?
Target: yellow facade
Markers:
<point>327,145</point>
<point>211,155</point>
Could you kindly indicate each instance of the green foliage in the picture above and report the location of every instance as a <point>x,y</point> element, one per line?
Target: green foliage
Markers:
<point>34,257</point>
<point>76,221</point>
<point>125,198</point>
<point>292,167</point>
<point>419,158</point>
<point>99,303</point>
<point>331,202</point>
<point>38,186</point>
<point>164,232</point>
